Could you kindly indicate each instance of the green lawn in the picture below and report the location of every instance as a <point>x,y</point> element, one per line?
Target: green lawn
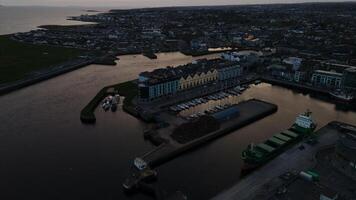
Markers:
<point>18,59</point>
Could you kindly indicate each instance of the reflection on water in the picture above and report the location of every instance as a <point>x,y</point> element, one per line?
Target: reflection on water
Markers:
<point>214,167</point>
<point>46,153</point>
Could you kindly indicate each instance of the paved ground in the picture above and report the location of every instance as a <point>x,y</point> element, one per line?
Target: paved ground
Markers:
<point>249,112</point>
<point>262,183</point>
<point>332,183</point>
<point>331,177</point>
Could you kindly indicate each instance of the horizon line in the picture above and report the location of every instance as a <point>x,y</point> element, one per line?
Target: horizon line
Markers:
<point>180,6</point>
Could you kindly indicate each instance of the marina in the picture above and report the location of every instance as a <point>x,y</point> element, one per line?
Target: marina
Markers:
<point>178,102</point>
<point>101,153</point>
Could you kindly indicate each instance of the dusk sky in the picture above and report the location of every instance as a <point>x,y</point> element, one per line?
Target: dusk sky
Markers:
<point>141,3</point>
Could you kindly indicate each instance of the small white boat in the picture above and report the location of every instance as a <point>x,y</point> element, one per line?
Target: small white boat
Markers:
<point>106,106</point>
<point>181,107</point>
<point>341,96</point>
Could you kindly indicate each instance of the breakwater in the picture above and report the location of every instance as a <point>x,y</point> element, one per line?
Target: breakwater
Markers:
<point>127,89</point>
<point>54,71</point>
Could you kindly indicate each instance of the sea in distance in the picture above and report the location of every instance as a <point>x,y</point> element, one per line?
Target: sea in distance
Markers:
<point>47,153</point>
<point>15,19</point>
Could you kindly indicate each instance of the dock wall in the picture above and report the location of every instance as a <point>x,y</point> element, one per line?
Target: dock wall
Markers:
<point>176,151</point>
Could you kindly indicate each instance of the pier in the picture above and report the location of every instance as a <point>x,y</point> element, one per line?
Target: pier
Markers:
<point>250,111</point>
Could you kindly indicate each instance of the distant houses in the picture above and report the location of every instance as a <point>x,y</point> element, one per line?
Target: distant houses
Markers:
<point>316,73</point>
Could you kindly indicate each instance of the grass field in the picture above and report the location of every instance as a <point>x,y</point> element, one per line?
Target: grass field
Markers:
<point>19,59</point>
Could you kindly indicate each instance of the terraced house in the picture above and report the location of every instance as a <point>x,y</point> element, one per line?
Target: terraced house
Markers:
<point>200,76</point>
<point>168,81</point>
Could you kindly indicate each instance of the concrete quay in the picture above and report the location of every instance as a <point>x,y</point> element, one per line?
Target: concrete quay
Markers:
<point>264,182</point>
<point>250,111</point>
<point>292,85</point>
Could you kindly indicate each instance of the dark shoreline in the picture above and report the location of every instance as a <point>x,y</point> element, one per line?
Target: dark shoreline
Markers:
<point>13,86</point>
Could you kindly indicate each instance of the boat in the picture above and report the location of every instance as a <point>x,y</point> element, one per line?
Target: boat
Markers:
<point>117,98</point>
<point>259,154</point>
<point>150,54</point>
<point>106,106</point>
<point>257,82</point>
<point>341,96</point>
<point>113,107</point>
<point>181,107</point>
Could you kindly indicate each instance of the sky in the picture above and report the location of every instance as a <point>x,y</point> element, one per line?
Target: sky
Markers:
<point>143,3</point>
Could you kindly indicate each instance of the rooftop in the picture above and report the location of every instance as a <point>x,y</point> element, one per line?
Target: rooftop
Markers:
<point>328,72</point>
<point>196,67</point>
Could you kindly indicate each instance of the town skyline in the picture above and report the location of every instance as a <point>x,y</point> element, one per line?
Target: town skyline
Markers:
<point>154,3</point>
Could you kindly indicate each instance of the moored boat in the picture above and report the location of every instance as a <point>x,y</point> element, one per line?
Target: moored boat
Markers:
<point>341,96</point>
<point>259,154</point>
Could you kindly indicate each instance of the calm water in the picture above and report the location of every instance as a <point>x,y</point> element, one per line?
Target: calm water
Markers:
<point>22,19</point>
<point>46,153</point>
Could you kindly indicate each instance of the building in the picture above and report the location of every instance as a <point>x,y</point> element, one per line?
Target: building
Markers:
<point>279,71</point>
<point>160,82</point>
<point>168,81</point>
<point>230,56</point>
<point>294,62</point>
<point>328,79</point>
<point>229,72</point>
<point>227,75</point>
<point>198,45</point>
<point>189,81</point>
<point>349,76</point>
<point>299,76</point>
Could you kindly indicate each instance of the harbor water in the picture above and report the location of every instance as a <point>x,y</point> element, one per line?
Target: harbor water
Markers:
<point>47,153</point>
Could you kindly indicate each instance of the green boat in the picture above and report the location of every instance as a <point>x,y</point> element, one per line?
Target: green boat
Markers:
<point>259,154</point>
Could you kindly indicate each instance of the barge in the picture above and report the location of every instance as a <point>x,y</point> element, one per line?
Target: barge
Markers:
<point>257,155</point>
